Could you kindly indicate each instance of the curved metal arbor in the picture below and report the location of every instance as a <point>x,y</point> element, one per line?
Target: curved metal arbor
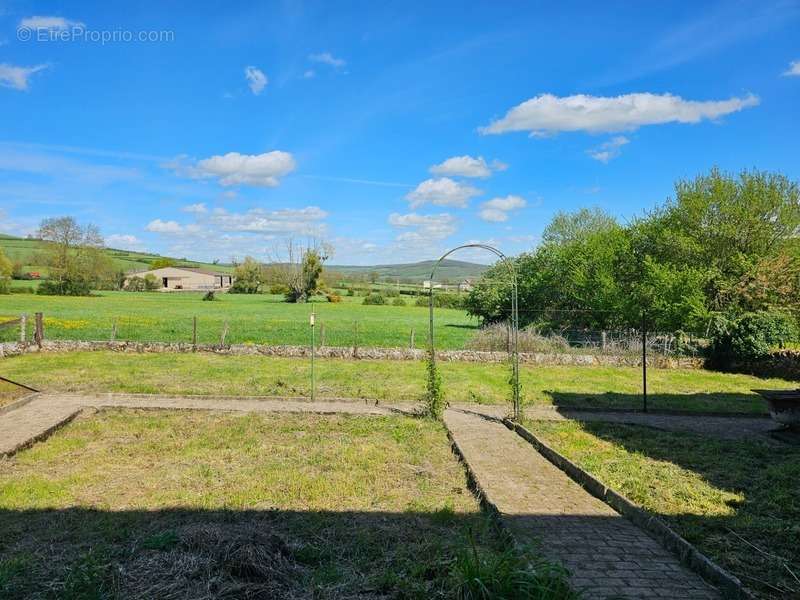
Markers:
<point>514,316</point>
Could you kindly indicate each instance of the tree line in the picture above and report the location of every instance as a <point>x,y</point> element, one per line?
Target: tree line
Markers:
<point>723,254</point>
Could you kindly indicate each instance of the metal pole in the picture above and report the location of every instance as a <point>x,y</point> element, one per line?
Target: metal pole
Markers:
<point>312,354</point>
<point>644,360</point>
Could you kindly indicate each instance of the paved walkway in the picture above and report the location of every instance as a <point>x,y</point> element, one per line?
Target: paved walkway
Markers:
<point>607,556</point>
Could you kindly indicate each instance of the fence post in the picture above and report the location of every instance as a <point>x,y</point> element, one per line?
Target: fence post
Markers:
<point>114,330</point>
<point>224,334</point>
<point>322,335</point>
<point>644,360</point>
<point>194,331</point>
<point>23,321</point>
<point>38,334</point>
<point>603,333</point>
<point>312,320</point>
<point>411,345</point>
<point>355,339</point>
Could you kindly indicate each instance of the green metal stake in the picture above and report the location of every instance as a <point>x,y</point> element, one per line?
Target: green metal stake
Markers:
<point>311,320</point>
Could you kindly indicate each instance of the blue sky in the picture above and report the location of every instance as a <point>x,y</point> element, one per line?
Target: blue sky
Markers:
<point>391,130</point>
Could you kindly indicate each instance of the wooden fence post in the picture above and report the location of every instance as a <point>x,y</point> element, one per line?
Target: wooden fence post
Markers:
<point>604,340</point>
<point>114,330</point>
<point>194,331</point>
<point>355,339</point>
<point>411,344</point>
<point>322,335</point>
<point>224,334</point>
<point>23,321</point>
<point>38,334</point>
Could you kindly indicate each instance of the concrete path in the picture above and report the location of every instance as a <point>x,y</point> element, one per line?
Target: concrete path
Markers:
<point>607,556</point>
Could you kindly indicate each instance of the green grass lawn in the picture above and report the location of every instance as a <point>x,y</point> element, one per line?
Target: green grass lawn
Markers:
<point>205,373</point>
<point>737,501</point>
<point>157,504</point>
<point>258,319</point>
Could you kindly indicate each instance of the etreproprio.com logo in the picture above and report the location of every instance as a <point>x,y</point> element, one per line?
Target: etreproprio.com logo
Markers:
<point>93,36</point>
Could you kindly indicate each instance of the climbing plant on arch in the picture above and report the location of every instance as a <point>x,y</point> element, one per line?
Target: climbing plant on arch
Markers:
<point>435,395</point>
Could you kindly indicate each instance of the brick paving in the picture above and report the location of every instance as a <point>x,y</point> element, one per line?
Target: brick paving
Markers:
<point>607,556</point>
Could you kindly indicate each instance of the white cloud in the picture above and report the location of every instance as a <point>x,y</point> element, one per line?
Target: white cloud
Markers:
<point>304,221</point>
<point>263,170</point>
<point>467,166</point>
<point>54,23</point>
<point>256,79</point>
<point>442,192</point>
<point>328,59</point>
<point>424,228</point>
<point>197,209</point>
<point>793,70</point>
<point>159,226</point>
<point>548,114</point>
<point>123,241</point>
<point>17,77</point>
<point>496,210</point>
<point>309,74</point>
<point>608,150</point>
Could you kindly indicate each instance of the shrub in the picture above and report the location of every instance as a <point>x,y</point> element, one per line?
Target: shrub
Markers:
<point>66,287</point>
<point>495,338</point>
<point>24,289</point>
<point>279,289</point>
<point>750,336</point>
<point>333,297</point>
<point>209,296</point>
<point>135,284</point>
<point>442,300</point>
<point>398,302</point>
<point>350,292</point>
<point>374,299</point>
<point>150,282</point>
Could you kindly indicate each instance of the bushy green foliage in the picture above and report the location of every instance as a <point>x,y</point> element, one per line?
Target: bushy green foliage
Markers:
<point>724,245</point>
<point>209,296</point>
<point>333,297</point>
<point>279,289</point>
<point>374,300</point>
<point>749,336</point>
<point>74,286</point>
<point>135,284</point>
<point>442,300</point>
<point>398,301</point>
<point>150,282</point>
<point>6,270</point>
<point>247,277</point>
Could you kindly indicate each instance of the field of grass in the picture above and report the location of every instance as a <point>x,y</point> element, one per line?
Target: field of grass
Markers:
<point>737,501</point>
<point>258,319</point>
<point>201,373</point>
<point>198,505</point>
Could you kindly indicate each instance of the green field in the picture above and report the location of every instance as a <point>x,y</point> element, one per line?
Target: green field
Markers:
<point>257,319</point>
<point>390,381</point>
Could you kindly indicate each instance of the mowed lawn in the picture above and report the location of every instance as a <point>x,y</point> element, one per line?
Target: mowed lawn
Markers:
<point>152,504</point>
<point>211,374</point>
<point>257,319</point>
<point>737,501</point>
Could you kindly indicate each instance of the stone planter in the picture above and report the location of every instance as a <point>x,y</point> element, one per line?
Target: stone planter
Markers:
<point>784,406</point>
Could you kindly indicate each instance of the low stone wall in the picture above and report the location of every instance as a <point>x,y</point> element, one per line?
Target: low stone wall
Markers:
<point>536,358</point>
<point>784,364</point>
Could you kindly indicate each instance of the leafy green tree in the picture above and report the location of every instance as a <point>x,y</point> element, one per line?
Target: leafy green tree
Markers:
<point>247,277</point>
<point>6,269</point>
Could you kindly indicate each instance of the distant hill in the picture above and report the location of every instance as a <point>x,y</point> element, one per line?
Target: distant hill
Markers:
<point>25,250</point>
<point>452,270</point>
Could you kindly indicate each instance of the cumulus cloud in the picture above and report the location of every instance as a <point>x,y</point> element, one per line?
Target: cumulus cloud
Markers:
<point>328,59</point>
<point>123,241</point>
<point>17,77</point>
<point>442,192</point>
<point>256,79</point>
<point>422,230</point>
<point>548,114</point>
<point>262,170</point>
<point>309,74</point>
<point>793,70</point>
<point>159,226</point>
<point>467,166</point>
<point>49,22</point>
<point>197,209</point>
<point>304,221</point>
<point>608,150</point>
<point>496,210</point>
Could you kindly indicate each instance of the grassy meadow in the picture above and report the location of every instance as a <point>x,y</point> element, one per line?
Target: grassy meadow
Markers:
<point>737,501</point>
<point>156,504</point>
<point>257,319</point>
<point>391,381</point>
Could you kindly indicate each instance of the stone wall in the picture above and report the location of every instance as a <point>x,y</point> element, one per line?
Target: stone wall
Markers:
<point>783,363</point>
<point>536,358</point>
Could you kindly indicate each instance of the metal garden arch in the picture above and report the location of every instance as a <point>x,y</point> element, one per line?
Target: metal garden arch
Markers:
<point>514,317</point>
